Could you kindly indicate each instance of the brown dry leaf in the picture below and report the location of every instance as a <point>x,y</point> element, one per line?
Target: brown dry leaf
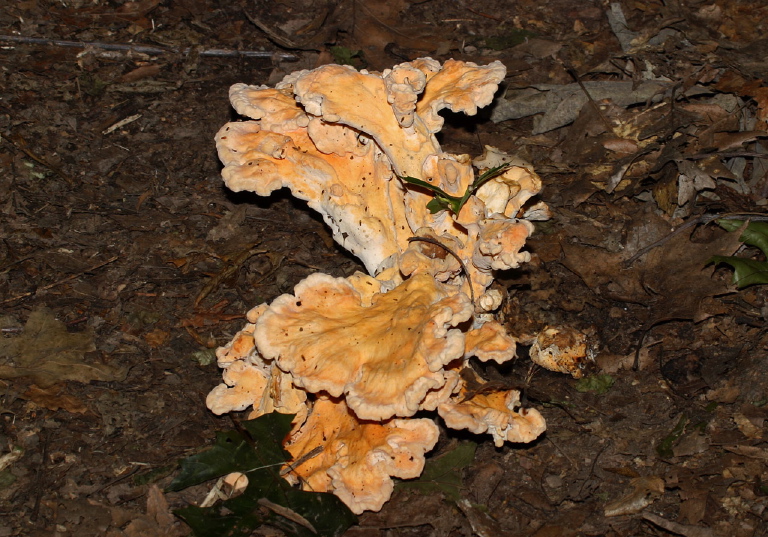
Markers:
<point>47,353</point>
<point>157,521</point>
<point>52,399</point>
<point>157,338</point>
<point>141,72</point>
<point>644,491</point>
<point>375,24</point>
<point>694,497</point>
<point>380,23</point>
<point>753,452</point>
<point>671,278</point>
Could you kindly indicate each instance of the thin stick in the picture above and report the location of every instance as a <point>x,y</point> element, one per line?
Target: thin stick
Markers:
<point>595,106</point>
<point>301,460</point>
<point>59,282</point>
<point>144,49</point>
<point>455,255</point>
<point>276,38</point>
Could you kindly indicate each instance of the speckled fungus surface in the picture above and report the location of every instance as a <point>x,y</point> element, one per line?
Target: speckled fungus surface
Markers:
<point>355,358</point>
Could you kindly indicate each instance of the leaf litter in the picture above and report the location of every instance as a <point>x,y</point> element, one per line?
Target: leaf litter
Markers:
<point>662,125</point>
<point>48,353</point>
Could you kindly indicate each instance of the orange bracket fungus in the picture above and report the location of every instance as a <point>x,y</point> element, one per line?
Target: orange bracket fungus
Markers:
<point>356,358</point>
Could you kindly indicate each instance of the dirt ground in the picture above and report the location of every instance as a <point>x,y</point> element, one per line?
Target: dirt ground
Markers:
<point>124,261</point>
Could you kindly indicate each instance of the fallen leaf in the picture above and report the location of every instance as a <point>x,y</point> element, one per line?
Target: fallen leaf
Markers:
<point>747,271</point>
<point>47,353</point>
<point>644,491</point>
<point>671,277</point>
<point>144,71</point>
<point>157,338</point>
<point>560,104</point>
<point>158,521</point>
<point>52,399</point>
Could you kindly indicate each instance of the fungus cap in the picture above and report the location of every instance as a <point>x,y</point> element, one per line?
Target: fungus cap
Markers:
<point>490,342</point>
<point>497,413</point>
<point>383,358</point>
<point>358,458</point>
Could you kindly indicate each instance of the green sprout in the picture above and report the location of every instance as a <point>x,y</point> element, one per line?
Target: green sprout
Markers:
<point>444,201</point>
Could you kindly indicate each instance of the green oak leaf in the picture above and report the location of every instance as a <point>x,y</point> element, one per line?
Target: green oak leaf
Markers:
<point>443,473</point>
<point>256,450</point>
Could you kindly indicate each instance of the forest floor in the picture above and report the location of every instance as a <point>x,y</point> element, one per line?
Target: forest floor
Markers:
<point>124,261</point>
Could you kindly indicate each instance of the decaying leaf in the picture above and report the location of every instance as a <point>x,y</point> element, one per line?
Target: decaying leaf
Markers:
<point>560,104</point>
<point>671,277</point>
<point>158,521</point>
<point>47,353</point>
<point>53,399</point>
<point>644,491</point>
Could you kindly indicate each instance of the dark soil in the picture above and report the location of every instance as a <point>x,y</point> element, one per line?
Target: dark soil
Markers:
<point>124,262</point>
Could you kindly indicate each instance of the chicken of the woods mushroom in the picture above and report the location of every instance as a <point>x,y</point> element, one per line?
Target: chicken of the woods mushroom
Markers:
<point>355,358</point>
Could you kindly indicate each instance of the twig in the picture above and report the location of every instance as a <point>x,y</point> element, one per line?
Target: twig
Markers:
<point>145,49</point>
<point>301,460</point>
<point>61,281</point>
<point>497,19</point>
<point>227,272</point>
<point>592,469</point>
<point>687,530</point>
<point>455,255</point>
<point>276,38</point>
<point>114,481</point>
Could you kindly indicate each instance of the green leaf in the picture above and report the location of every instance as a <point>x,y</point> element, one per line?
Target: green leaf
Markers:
<point>257,451</point>
<point>443,473</point>
<point>438,204</point>
<point>598,384</point>
<point>208,522</point>
<point>487,175</point>
<point>439,192</point>
<point>234,452</point>
<point>153,475</point>
<point>746,272</point>
<point>444,201</point>
<point>346,56</point>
